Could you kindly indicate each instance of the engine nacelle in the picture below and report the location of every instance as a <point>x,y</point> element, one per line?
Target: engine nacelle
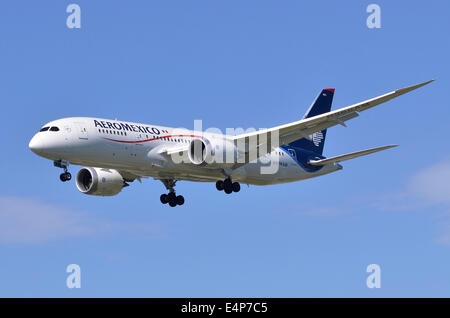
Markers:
<point>212,152</point>
<point>99,181</point>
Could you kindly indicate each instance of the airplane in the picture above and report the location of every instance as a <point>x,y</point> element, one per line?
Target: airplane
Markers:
<point>115,153</point>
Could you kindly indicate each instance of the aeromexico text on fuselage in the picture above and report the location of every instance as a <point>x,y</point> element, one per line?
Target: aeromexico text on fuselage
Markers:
<point>128,127</point>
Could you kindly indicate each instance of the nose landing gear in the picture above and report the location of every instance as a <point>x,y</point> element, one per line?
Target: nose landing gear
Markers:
<point>65,176</point>
<point>228,186</point>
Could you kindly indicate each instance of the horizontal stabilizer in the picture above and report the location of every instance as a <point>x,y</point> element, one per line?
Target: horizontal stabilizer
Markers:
<point>348,156</point>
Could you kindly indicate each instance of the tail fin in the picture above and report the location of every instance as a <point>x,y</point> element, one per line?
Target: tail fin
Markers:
<point>321,105</point>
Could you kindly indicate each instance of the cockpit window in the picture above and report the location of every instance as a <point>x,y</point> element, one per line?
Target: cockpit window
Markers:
<point>44,129</point>
<point>54,129</point>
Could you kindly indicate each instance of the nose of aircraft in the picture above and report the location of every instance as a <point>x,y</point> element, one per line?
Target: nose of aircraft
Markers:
<point>36,144</point>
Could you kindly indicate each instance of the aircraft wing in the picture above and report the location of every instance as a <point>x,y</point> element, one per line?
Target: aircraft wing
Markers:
<point>284,134</point>
<point>348,156</point>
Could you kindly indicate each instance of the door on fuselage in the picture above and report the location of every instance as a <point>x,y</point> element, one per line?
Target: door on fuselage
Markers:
<point>139,149</point>
<point>81,131</point>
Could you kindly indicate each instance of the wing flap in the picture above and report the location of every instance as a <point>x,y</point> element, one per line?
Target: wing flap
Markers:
<point>348,156</point>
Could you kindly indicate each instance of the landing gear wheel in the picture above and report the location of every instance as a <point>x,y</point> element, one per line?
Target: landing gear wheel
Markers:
<point>64,164</point>
<point>219,185</point>
<point>163,198</point>
<point>227,186</point>
<point>228,189</point>
<point>236,186</point>
<point>180,200</point>
<point>66,176</point>
<point>171,198</point>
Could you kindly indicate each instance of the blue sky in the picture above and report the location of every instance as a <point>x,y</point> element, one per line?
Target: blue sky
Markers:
<point>231,64</point>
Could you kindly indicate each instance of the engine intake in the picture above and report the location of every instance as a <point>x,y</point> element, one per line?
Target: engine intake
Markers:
<point>199,151</point>
<point>99,181</point>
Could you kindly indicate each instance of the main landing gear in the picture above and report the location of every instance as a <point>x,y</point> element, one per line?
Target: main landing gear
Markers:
<point>65,176</point>
<point>171,197</point>
<point>228,186</point>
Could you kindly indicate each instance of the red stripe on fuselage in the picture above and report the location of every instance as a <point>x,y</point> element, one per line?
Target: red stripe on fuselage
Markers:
<point>152,139</point>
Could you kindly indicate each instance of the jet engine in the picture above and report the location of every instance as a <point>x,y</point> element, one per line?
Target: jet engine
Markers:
<point>99,181</point>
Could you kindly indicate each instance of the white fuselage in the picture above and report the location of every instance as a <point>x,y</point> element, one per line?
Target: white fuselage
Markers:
<point>137,149</point>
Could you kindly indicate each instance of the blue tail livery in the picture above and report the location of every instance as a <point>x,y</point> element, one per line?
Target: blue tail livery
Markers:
<point>321,105</point>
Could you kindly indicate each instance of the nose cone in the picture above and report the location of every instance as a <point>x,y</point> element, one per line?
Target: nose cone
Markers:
<point>36,144</point>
